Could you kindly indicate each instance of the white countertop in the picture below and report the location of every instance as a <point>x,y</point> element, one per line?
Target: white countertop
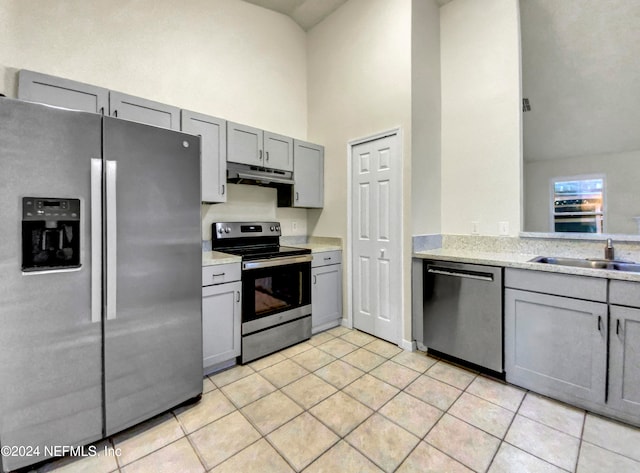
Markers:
<point>211,258</point>
<point>519,260</point>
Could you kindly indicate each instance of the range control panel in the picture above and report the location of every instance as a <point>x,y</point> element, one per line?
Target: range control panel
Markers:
<point>36,208</point>
<point>223,230</point>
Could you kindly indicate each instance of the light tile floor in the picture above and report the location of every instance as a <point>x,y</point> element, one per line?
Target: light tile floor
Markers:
<point>347,402</point>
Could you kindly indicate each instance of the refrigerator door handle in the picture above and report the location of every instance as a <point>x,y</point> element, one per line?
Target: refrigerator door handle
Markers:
<point>111,223</point>
<point>96,240</point>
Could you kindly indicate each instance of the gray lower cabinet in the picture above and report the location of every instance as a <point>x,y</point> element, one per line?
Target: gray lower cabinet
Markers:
<point>556,345</point>
<point>221,317</point>
<point>130,107</point>
<point>308,189</point>
<point>213,133</point>
<point>249,145</point>
<point>584,352</point>
<point>59,92</point>
<point>624,360</point>
<point>624,348</point>
<point>326,287</point>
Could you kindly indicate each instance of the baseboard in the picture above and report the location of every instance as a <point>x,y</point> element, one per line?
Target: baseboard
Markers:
<point>407,345</point>
<point>345,323</point>
<point>327,326</point>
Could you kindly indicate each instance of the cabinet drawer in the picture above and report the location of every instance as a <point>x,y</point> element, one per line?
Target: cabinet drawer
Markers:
<point>325,258</point>
<point>624,293</point>
<point>568,285</point>
<point>220,274</point>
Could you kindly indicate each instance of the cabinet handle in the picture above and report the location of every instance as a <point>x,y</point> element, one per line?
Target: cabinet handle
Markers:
<point>238,296</point>
<point>115,113</point>
<point>600,323</point>
<point>617,326</point>
<point>260,155</point>
<point>216,275</point>
<point>101,110</point>
<point>328,258</point>
<point>297,196</point>
<point>267,153</point>
<point>222,189</point>
<point>315,279</point>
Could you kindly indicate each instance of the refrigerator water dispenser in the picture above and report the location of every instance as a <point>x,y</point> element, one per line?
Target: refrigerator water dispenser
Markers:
<point>50,233</point>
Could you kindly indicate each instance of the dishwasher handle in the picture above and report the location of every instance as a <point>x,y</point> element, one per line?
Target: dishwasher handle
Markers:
<point>458,273</point>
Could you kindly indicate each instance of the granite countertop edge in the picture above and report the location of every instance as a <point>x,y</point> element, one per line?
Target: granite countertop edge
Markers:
<point>520,261</point>
<point>317,247</point>
<point>212,258</point>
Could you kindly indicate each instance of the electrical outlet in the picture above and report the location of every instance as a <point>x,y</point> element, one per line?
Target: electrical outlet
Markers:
<point>294,225</point>
<point>475,227</point>
<point>503,228</point>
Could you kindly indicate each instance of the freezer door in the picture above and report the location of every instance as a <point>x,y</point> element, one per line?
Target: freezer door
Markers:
<point>50,342</point>
<point>153,325</point>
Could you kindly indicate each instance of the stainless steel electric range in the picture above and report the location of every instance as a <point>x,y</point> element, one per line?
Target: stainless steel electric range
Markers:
<point>276,286</point>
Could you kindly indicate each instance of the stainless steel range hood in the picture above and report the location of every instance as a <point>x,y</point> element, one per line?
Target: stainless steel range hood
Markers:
<point>247,174</point>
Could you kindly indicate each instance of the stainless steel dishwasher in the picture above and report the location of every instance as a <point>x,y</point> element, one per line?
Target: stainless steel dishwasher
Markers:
<point>462,312</point>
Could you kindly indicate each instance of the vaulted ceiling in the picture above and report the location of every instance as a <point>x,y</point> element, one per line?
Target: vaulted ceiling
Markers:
<point>307,13</point>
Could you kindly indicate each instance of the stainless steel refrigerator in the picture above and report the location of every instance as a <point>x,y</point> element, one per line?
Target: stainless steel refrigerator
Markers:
<point>100,276</point>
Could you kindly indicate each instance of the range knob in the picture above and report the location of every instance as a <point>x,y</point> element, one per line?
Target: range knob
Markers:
<point>278,227</point>
<point>272,228</point>
<point>221,230</point>
<point>227,230</point>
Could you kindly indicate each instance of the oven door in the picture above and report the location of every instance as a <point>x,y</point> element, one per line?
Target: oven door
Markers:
<point>275,291</point>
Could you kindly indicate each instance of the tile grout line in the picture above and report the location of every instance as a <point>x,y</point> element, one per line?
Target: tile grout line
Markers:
<point>502,440</point>
<point>614,452</point>
<point>537,457</point>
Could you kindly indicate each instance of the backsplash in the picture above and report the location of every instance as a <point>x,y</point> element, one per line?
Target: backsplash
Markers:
<point>625,250</point>
<point>253,203</point>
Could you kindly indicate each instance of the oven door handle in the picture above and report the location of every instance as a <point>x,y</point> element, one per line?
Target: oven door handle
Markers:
<point>268,263</point>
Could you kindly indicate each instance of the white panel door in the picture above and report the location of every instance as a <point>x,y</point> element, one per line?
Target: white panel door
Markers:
<point>376,227</point>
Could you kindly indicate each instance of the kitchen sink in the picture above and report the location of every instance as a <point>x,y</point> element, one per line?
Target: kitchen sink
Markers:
<point>611,265</point>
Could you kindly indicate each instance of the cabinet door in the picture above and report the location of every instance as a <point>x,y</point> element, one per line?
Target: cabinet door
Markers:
<point>213,159</point>
<point>624,360</point>
<point>326,296</point>
<point>221,322</point>
<point>308,190</point>
<point>51,90</point>
<point>278,151</point>
<point>556,345</point>
<point>142,110</point>
<point>244,144</point>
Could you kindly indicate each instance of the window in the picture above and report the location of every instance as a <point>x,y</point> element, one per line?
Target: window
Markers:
<point>577,204</point>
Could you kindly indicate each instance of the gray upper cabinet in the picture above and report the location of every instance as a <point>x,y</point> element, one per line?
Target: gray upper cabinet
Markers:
<point>624,362</point>
<point>142,110</point>
<point>278,151</point>
<point>308,190</point>
<point>244,144</point>
<point>59,92</point>
<point>556,345</point>
<point>248,145</point>
<point>213,133</point>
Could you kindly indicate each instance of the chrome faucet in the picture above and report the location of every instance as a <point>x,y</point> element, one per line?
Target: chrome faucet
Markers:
<point>608,250</point>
